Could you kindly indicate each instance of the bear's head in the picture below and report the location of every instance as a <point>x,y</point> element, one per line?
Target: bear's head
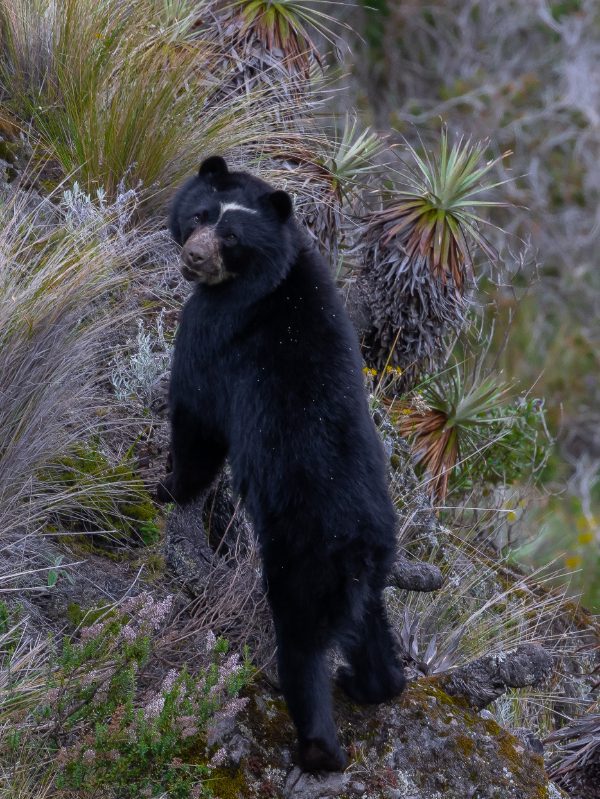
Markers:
<point>231,225</point>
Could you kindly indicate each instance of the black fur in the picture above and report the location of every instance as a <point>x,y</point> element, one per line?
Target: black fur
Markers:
<point>267,373</point>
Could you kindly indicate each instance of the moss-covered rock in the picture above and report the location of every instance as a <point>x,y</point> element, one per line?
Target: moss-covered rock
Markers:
<point>426,745</point>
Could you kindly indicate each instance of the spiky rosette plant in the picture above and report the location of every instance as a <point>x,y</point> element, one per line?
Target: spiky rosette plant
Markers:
<point>326,179</point>
<point>281,33</point>
<point>418,255</point>
<point>451,420</point>
<point>576,764</point>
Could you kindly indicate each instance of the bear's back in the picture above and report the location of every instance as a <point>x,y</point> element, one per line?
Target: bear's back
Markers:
<point>300,424</point>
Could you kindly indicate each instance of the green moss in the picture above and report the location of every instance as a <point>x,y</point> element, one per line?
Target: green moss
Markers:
<point>492,727</point>
<point>4,618</point>
<point>106,496</point>
<point>92,545</point>
<point>8,151</point>
<point>88,616</point>
<point>465,745</point>
<point>507,749</point>
<point>228,784</point>
<point>76,614</point>
<point>275,722</point>
<point>430,687</point>
<point>155,566</point>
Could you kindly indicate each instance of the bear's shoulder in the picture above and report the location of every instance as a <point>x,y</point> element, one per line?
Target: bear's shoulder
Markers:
<point>304,318</point>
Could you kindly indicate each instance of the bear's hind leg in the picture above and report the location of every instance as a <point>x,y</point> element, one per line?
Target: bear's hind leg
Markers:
<point>374,673</point>
<point>306,685</point>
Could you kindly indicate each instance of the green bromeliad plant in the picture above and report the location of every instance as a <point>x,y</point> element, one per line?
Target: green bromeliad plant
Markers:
<point>340,175</point>
<point>468,430</point>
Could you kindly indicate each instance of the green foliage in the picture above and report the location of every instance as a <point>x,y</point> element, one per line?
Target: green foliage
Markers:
<point>4,616</point>
<point>137,753</point>
<point>376,13</point>
<point>566,530</point>
<point>518,449</point>
<point>564,8</point>
<point>465,432</point>
<point>112,499</point>
<point>354,156</point>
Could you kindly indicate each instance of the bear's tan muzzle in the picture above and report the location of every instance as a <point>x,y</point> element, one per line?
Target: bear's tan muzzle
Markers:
<point>201,258</point>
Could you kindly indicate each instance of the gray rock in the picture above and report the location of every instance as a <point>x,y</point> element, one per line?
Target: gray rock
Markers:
<point>425,745</point>
<point>487,678</point>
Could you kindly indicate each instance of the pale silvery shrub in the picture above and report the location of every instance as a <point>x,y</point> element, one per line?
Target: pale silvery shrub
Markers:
<point>81,210</point>
<point>135,376</point>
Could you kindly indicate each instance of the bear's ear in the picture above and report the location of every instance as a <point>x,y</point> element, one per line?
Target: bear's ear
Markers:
<point>282,203</point>
<point>213,167</point>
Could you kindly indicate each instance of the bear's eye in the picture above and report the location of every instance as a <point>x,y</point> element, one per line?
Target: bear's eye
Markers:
<point>230,238</point>
<point>201,218</point>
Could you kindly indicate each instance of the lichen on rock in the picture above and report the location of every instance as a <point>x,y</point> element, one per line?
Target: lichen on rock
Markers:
<point>425,745</point>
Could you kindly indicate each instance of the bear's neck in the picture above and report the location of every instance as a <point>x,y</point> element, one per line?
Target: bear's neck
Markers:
<point>244,291</point>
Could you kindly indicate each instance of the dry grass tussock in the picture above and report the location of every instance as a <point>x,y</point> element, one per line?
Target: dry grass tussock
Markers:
<point>139,89</point>
<point>61,275</point>
<point>211,547</point>
<point>486,606</point>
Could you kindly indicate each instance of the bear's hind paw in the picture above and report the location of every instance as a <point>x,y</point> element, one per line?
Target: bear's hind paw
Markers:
<point>374,691</point>
<point>317,755</point>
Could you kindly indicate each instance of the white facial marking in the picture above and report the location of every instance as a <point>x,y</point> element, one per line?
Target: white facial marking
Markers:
<point>234,207</point>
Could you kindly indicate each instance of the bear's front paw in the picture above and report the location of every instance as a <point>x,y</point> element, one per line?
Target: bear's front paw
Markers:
<point>165,489</point>
<point>318,755</point>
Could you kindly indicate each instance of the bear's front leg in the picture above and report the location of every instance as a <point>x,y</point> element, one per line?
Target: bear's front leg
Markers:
<point>197,458</point>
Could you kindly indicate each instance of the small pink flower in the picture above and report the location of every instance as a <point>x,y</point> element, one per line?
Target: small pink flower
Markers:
<point>129,634</point>
<point>169,680</point>
<point>52,695</point>
<point>93,631</point>
<point>219,757</point>
<point>154,707</point>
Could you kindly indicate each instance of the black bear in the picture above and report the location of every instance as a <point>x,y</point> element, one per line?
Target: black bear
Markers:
<point>267,373</point>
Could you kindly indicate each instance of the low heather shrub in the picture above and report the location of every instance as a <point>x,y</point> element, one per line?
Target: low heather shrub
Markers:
<point>104,727</point>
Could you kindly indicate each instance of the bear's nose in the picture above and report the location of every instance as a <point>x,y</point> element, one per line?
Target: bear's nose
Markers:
<point>195,255</point>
